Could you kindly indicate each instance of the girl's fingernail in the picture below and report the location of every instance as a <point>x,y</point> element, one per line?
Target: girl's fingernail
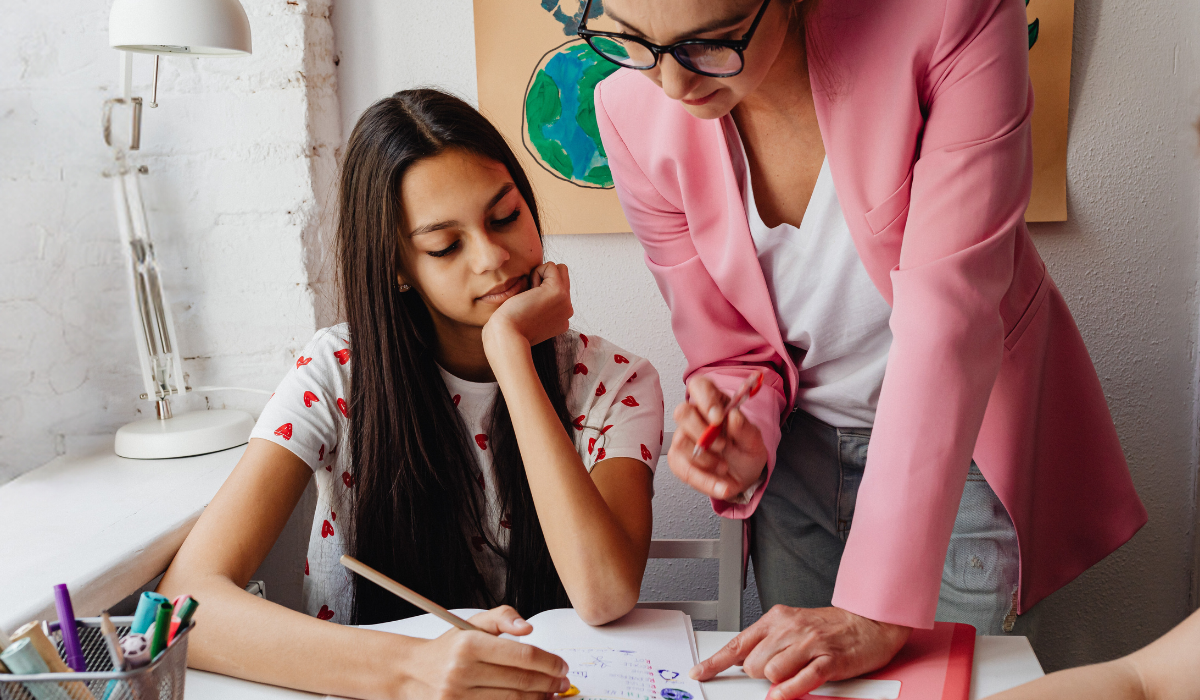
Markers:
<point>714,414</point>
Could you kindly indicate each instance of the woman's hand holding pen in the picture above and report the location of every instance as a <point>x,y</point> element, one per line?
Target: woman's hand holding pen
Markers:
<point>734,461</point>
<point>478,665</point>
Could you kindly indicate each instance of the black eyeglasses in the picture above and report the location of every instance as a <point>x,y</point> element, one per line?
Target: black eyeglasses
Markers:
<point>715,58</point>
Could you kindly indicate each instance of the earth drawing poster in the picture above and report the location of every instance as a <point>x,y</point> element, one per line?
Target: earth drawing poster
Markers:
<point>537,79</point>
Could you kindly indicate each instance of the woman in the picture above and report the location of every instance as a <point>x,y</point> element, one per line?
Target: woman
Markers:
<point>401,416</point>
<point>833,192</point>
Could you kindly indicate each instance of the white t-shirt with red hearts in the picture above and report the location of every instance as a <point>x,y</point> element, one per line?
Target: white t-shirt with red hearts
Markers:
<point>614,396</point>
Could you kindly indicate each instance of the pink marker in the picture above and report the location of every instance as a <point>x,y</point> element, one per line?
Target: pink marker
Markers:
<point>748,388</point>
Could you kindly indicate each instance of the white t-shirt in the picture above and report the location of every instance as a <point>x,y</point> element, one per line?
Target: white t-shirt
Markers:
<point>825,303</point>
<point>614,395</point>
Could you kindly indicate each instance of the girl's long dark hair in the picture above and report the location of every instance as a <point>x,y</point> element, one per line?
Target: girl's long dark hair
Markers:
<point>416,500</point>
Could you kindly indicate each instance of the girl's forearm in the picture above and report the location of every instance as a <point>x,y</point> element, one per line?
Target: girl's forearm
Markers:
<point>600,563</point>
<point>238,634</point>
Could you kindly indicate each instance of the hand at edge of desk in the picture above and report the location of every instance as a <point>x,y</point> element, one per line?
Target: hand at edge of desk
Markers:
<point>798,649</point>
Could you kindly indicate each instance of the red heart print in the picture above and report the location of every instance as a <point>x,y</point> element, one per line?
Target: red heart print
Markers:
<point>620,359</point>
<point>660,437</point>
<point>591,444</point>
<point>600,390</point>
<point>630,401</point>
<point>284,431</point>
<point>309,399</point>
<point>578,422</point>
<point>326,529</point>
<point>580,368</point>
<point>584,338</point>
<point>306,566</point>
<point>302,360</point>
<point>343,356</point>
<point>342,407</point>
<point>271,396</point>
<point>477,542</point>
<point>456,399</point>
<point>328,467</point>
<point>645,453</point>
<point>321,454</point>
<point>479,480</point>
<point>333,515</point>
<point>325,613</point>
<point>505,524</point>
<point>605,429</point>
<point>599,454</point>
<point>481,440</point>
<point>348,480</point>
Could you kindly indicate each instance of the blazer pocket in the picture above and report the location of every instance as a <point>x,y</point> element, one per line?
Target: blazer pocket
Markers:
<point>889,210</point>
<point>1031,311</point>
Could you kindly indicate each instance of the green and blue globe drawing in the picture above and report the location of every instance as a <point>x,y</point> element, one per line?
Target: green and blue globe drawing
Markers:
<point>559,127</point>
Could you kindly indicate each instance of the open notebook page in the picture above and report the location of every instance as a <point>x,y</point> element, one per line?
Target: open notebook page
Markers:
<point>645,655</point>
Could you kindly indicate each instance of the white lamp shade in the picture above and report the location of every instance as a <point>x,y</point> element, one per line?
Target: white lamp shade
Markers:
<point>197,27</point>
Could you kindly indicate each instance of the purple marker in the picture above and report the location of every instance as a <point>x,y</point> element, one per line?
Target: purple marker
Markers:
<point>66,625</point>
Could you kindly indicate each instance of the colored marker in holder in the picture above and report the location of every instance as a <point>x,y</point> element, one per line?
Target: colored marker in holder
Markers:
<point>147,611</point>
<point>70,635</point>
<point>162,629</point>
<point>21,657</point>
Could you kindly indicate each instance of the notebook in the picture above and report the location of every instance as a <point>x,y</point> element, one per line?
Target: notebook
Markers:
<point>934,665</point>
<point>645,655</point>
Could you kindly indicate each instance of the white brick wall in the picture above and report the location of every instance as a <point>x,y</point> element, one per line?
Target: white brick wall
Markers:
<point>241,157</point>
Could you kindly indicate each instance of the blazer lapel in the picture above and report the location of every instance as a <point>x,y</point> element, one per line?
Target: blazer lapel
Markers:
<point>717,218</point>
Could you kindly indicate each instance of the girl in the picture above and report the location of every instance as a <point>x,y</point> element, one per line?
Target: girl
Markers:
<point>462,441</point>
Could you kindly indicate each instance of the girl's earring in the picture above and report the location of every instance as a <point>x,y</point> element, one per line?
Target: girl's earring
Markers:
<point>405,287</point>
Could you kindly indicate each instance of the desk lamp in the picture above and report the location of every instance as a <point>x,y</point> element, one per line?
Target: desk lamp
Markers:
<point>195,28</point>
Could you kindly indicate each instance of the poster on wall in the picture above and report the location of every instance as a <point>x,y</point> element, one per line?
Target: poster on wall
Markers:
<point>1050,27</point>
<point>537,80</point>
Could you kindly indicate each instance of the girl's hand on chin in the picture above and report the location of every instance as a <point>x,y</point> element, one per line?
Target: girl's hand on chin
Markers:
<point>539,313</point>
<point>480,666</point>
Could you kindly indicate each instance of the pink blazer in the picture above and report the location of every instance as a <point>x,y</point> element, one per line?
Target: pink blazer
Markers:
<point>927,132</point>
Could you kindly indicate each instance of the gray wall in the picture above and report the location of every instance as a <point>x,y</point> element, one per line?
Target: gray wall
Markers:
<point>1127,262</point>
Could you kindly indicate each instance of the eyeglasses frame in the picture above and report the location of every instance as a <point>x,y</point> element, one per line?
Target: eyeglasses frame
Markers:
<point>657,50</point>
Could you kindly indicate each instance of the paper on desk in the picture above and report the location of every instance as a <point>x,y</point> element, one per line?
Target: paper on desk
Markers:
<point>645,655</point>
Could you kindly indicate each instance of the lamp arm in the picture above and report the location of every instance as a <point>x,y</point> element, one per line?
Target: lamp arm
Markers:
<point>154,327</point>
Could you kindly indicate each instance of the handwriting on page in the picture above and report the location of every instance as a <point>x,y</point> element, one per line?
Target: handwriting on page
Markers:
<point>616,674</point>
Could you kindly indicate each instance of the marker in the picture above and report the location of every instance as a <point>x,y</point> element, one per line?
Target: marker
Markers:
<point>46,649</point>
<point>136,650</point>
<point>748,388</point>
<point>22,657</point>
<point>162,627</point>
<point>185,607</point>
<point>66,624</point>
<point>147,611</point>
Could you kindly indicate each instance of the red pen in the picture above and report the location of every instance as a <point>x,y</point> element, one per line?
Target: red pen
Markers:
<point>748,388</point>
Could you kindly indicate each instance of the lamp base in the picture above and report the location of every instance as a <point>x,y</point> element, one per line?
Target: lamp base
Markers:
<point>184,435</point>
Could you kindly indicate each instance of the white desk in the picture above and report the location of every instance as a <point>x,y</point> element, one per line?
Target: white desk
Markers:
<point>102,524</point>
<point>1000,663</point>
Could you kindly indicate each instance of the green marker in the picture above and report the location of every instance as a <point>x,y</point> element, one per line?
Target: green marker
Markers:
<point>162,626</point>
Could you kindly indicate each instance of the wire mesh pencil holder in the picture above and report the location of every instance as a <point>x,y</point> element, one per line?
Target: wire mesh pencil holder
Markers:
<point>161,679</point>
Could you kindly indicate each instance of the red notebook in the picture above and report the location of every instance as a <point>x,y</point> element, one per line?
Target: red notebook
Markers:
<point>934,665</point>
